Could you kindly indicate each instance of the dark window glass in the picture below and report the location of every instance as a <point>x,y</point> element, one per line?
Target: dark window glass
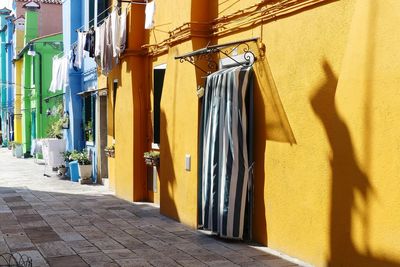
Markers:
<point>91,13</point>
<point>115,87</point>
<point>102,11</point>
<point>158,86</point>
<point>89,117</point>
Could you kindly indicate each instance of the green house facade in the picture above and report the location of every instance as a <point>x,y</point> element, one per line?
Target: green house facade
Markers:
<point>38,104</point>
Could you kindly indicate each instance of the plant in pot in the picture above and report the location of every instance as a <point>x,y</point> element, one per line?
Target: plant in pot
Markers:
<point>58,121</point>
<point>85,164</point>
<point>11,147</point>
<point>55,130</point>
<point>152,157</point>
<point>110,151</point>
<point>62,169</point>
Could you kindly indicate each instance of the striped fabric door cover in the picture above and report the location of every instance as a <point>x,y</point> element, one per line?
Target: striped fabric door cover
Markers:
<point>224,152</point>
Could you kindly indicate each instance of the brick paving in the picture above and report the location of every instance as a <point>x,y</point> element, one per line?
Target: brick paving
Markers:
<point>60,223</point>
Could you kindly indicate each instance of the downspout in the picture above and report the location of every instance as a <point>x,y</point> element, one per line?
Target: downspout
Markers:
<point>40,127</point>
<point>40,84</point>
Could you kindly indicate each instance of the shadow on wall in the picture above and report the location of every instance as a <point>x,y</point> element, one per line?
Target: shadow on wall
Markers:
<point>167,201</point>
<point>348,180</point>
<point>270,123</point>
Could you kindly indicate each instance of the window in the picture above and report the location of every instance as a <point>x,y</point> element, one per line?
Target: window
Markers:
<point>91,13</point>
<point>89,118</point>
<point>102,10</point>
<point>159,73</point>
<point>115,87</point>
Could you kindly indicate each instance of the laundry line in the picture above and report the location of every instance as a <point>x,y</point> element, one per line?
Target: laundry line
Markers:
<point>116,7</point>
<point>99,22</point>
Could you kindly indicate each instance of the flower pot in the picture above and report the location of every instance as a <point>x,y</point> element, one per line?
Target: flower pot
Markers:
<point>52,149</point>
<point>110,152</point>
<point>85,171</point>
<point>62,171</point>
<point>152,161</point>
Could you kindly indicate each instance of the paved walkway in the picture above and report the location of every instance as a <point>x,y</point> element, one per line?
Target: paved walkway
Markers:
<point>60,223</point>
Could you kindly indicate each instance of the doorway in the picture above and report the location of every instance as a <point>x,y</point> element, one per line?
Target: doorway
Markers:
<point>152,171</point>
<point>225,154</point>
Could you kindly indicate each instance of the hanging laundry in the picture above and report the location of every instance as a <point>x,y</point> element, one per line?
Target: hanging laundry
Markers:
<point>90,43</point>
<point>99,53</point>
<point>115,34</point>
<point>122,31</point>
<point>80,49</point>
<point>72,58</point>
<point>97,45</point>
<point>150,9</point>
<point>107,53</point>
<point>60,78</point>
<point>54,76</point>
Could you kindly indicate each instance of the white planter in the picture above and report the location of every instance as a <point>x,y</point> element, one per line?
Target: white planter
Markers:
<point>52,149</point>
<point>85,171</point>
<point>19,152</point>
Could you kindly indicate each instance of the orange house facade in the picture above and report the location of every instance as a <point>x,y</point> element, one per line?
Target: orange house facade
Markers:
<point>325,141</point>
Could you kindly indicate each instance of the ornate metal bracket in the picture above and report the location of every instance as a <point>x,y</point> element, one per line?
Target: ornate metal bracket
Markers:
<point>238,52</point>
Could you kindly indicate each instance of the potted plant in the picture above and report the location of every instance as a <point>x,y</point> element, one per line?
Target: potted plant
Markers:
<point>152,157</point>
<point>55,130</point>
<point>110,151</point>
<point>67,156</point>
<point>62,169</point>
<point>85,164</point>
<point>10,146</point>
<point>59,120</point>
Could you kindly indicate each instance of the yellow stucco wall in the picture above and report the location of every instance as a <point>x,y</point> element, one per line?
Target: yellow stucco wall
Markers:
<point>326,144</point>
<point>292,180</point>
<point>127,170</point>
<point>17,103</point>
<point>329,198</point>
<point>179,111</point>
<point>19,35</point>
<point>179,130</point>
<point>326,141</point>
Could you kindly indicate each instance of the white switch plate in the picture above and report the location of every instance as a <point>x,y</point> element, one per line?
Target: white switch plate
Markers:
<point>187,162</point>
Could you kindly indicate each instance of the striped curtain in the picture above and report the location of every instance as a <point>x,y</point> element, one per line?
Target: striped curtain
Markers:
<point>224,152</point>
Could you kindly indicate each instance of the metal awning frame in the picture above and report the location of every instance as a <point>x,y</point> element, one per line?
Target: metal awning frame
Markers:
<point>88,92</point>
<point>228,50</point>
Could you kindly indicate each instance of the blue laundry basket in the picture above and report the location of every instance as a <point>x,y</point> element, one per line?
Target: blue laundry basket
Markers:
<point>74,171</point>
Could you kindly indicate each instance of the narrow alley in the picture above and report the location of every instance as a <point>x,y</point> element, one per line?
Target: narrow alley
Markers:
<point>200,133</point>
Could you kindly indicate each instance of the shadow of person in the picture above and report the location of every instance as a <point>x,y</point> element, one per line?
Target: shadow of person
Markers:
<point>347,177</point>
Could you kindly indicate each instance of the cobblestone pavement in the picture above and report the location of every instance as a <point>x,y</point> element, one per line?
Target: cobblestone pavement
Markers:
<point>60,223</point>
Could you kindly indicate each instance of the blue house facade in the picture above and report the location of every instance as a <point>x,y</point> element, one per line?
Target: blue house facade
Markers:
<point>6,82</point>
<point>10,75</point>
<point>81,96</point>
